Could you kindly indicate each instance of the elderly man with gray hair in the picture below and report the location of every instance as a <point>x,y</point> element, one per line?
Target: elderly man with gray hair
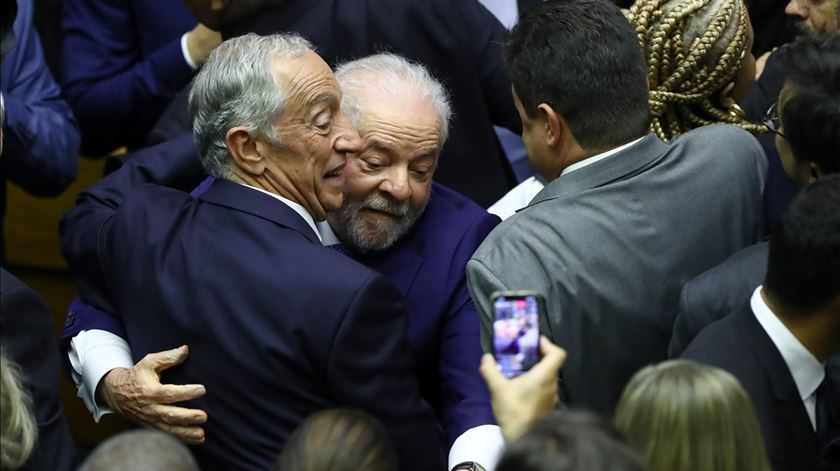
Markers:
<point>278,325</point>
<point>394,219</point>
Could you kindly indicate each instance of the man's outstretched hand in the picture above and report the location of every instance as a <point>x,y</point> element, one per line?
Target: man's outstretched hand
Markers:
<point>138,395</point>
<point>518,401</point>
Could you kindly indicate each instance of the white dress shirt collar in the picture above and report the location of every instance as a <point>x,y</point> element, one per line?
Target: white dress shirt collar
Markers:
<point>595,158</point>
<point>328,236</point>
<point>296,207</point>
<point>807,371</point>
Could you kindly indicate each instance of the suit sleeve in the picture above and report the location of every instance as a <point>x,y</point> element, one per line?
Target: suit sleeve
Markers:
<point>85,230</point>
<point>487,35</point>
<point>27,337</point>
<point>116,94</point>
<point>370,368</point>
<point>41,142</point>
<point>465,398</point>
<point>482,283</point>
<point>684,330</point>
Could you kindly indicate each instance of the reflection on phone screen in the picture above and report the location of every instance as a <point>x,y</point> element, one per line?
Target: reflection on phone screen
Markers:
<point>516,334</point>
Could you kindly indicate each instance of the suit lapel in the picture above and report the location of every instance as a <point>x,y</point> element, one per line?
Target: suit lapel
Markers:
<point>241,198</point>
<point>400,264</point>
<point>784,388</point>
<point>616,167</point>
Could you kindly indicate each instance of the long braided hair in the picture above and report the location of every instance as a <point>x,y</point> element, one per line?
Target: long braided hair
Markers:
<point>693,49</point>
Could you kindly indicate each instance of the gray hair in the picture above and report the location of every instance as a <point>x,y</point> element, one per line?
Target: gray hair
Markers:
<point>18,432</point>
<point>140,450</point>
<point>393,76</point>
<point>236,87</point>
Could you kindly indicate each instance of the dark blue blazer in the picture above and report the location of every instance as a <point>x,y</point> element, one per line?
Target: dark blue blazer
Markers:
<point>739,345</point>
<point>278,325</point>
<point>459,41</point>
<point>121,64</point>
<point>427,265</point>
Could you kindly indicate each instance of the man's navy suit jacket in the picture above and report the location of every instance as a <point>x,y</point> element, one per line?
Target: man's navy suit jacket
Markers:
<point>739,345</point>
<point>427,265</point>
<point>278,326</point>
<point>459,41</point>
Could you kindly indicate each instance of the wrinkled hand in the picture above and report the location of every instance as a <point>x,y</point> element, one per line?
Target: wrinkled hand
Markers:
<point>201,41</point>
<point>137,395</point>
<point>518,401</point>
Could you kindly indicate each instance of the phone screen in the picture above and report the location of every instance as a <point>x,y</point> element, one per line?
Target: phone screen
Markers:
<point>516,333</point>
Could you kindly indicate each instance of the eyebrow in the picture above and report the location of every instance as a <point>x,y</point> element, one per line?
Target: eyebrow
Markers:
<point>325,97</point>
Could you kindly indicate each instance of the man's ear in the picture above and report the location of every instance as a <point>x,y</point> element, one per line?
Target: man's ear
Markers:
<point>246,151</point>
<point>553,123</point>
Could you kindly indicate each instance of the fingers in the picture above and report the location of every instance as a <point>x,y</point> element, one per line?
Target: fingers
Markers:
<point>189,435</point>
<point>162,360</point>
<point>491,374</point>
<point>171,393</point>
<point>173,415</point>
<point>553,358</point>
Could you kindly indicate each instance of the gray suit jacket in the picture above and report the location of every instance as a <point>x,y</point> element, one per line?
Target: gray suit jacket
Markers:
<point>611,245</point>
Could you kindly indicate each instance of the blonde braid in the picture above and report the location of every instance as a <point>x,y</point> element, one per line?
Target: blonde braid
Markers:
<point>687,74</point>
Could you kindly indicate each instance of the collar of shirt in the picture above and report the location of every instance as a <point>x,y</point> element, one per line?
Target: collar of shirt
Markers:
<point>328,237</point>
<point>295,207</point>
<point>806,370</point>
<point>595,158</point>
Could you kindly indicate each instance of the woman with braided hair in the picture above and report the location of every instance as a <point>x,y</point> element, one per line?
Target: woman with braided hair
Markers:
<point>699,62</point>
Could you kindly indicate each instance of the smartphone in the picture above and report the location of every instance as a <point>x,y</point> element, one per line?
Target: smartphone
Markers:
<point>516,330</point>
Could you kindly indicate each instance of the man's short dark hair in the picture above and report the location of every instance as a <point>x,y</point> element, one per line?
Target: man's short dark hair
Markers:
<point>583,58</point>
<point>811,116</point>
<point>570,441</point>
<point>803,268</point>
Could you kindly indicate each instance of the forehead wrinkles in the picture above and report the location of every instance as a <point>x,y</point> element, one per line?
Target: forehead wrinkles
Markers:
<point>402,133</point>
<point>307,81</point>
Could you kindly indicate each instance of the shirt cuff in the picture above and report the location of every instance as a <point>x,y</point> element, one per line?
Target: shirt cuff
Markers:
<point>186,52</point>
<point>93,353</point>
<point>482,445</point>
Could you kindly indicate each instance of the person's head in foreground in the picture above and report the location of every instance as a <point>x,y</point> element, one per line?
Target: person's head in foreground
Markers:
<point>140,450</point>
<point>402,114</point>
<point>579,82</point>
<point>18,431</point>
<point>683,415</point>
<point>339,440</point>
<point>266,113</point>
<point>802,285</point>
<point>570,441</point>
<point>700,62</point>
<point>806,118</point>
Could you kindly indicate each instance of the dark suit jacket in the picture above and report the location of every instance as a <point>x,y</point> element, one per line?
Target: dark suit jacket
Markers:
<point>740,345</point>
<point>26,334</point>
<point>427,265</point>
<point>459,41</point>
<point>278,326</point>
<point>717,293</point>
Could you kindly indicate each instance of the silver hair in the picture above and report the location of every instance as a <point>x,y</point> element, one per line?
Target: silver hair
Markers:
<point>237,87</point>
<point>394,76</point>
<point>18,432</point>
<point>139,450</point>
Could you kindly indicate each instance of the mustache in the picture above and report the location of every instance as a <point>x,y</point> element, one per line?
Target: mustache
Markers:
<point>381,203</point>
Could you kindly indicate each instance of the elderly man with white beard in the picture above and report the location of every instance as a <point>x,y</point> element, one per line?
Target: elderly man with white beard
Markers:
<point>394,219</point>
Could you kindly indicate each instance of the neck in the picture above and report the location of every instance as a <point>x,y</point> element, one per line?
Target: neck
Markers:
<point>282,187</point>
<point>811,330</point>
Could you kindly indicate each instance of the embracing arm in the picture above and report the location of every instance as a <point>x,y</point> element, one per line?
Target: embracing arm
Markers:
<point>371,368</point>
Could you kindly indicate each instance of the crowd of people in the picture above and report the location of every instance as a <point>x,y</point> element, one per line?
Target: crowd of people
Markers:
<point>291,266</point>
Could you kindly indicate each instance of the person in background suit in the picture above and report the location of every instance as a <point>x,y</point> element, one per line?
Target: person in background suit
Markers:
<point>279,326</point>
<point>123,61</point>
<point>42,143</point>
<point>26,336</point>
<point>394,219</point>
<point>459,41</point>
<point>777,343</point>
<point>805,127</point>
<point>625,219</point>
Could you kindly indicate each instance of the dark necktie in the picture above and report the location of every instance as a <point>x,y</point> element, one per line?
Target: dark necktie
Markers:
<point>828,421</point>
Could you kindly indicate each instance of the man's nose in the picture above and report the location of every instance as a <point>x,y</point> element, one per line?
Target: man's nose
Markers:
<point>797,8</point>
<point>348,138</point>
<point>396,184</point>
